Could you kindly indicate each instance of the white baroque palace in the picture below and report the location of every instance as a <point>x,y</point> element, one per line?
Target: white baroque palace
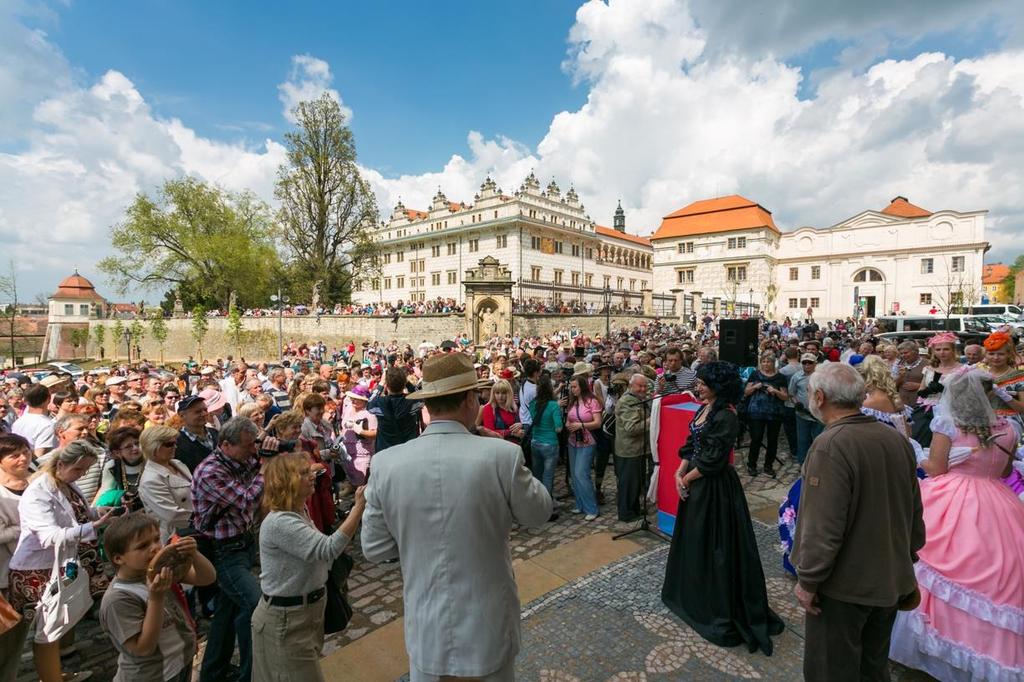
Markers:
<point>554,251</point>
<point>901,259</point>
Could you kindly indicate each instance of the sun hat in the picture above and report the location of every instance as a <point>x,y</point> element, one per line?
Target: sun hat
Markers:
<point>581,369</point>
<point>359,392</point>
<point>809,357</point>
<point>213,398</point>
<point>449,374</point>
<point>114,381</point>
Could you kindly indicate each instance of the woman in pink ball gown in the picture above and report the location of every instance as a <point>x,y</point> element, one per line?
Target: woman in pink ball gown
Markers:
<point>970,622</point>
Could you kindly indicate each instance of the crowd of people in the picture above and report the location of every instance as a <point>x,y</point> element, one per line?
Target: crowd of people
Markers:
<point>229,491</point>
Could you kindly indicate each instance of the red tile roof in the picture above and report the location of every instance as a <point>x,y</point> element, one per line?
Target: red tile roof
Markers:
<point>615,234</point>
<point>902,208</point>
<point>413,214</point>
<point>722,214</point>
<point>995,273</point>
<point>76,286</point>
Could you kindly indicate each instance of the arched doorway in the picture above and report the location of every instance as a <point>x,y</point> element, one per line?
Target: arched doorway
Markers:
<point>869,287</point>
<point>486,319</point>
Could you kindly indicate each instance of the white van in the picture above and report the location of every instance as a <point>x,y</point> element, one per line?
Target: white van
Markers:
<point>932,323</point>
<point>1013,311</point>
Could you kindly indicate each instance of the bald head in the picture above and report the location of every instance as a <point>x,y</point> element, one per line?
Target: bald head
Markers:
<point>638,385</point>
<point>974,353</point>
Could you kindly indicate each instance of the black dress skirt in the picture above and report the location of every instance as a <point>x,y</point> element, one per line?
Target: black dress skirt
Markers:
<point>714,580</point>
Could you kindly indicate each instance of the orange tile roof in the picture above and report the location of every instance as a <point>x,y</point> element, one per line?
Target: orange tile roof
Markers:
<point>722,214</point>
<point>455,207</point>
<point>413,214</point>
<point>995,273</point>
<point>76,286</point>
<point>615,234</point>
<point>902,208</point>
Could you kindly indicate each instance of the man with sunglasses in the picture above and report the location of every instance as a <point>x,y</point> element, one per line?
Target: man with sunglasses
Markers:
<point>807,427</point>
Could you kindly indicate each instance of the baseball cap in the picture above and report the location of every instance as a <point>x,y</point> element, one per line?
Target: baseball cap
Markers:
<point>189,401</point>
<point>809,357</point>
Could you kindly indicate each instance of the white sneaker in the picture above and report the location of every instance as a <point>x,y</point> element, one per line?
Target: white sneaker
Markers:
<point>576,511</point>
<point>590,517</point>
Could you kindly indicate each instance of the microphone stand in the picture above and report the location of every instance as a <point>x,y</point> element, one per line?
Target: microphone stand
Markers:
<point>645,524</point>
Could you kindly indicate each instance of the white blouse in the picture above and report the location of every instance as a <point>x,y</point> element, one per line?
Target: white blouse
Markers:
<point>166,493</point>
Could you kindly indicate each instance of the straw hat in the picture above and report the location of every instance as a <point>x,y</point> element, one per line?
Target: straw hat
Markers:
<point>448,374</point>
<point>581,369</point>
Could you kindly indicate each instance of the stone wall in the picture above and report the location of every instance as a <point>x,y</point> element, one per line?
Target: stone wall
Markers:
<point>259,335</point>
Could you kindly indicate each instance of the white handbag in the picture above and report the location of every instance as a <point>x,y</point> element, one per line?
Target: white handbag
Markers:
<point>66,600</point>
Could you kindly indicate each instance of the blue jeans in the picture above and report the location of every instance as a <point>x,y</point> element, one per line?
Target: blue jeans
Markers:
<point>545,457</point>
<point>806,432</point>
<point>580,460</point>
<point>239,593</point>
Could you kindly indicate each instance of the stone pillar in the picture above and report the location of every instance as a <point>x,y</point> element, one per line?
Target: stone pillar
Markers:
<point>680,295</point>
<point>648,301</point>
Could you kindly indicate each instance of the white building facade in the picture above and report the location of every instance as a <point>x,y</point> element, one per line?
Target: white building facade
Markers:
<point>902,259</point>
<point>554,250</point>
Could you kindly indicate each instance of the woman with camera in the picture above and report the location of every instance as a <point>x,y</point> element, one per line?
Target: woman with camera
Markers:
<point>55,515</point>
<point>122,470</point>
<point>499,418</point>
<point>766,397</point>
<point>583,417</point>
<point>288,623</point>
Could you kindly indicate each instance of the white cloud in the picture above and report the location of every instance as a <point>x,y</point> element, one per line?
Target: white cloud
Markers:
<point>308,79</point>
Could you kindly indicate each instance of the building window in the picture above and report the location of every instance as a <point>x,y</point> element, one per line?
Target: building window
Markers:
<point>632,285</point>
<point>558,247</point>
<point>452,277</point>
<point>451,248</point>
<point>400,256</point>
<point>794,274</point>
<point>868,275</point>
<point>502,241</point>
<point>684,277</point>
<point>792,303</point>
<point>474,245</point>
<point>607,281</point>
<point>736,273</point>
<point>558,276</point>
<point>737,242</point>
<point>387,282</point>
<point>435,251</point>
<point>927,266</point>
<point>685,247</point>
<point>618,283</point>
<point>535,273</point>
<point>803,303</point>
<point>375,284</point>
<point>815,272</point>
<point>400,282</point>
<point>815,302</point>
<point>435,279</point>
<point>959,263</point>
<point>575,249</point>
<point>926,299</point>
<point>590,253</point>
<point>589,280</point>
<point>83,310</point>
<point>535,243</point>
<point>575,279</point>
<point>69,309</point>
<point>495,215</point>
<point>387,258</point>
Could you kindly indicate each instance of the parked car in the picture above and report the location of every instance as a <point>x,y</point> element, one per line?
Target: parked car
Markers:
<point>1014,311</point>
<point>68,368</point>
<point>922,336</point>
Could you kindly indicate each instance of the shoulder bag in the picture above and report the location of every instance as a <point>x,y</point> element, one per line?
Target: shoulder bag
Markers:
<point>66,599</point>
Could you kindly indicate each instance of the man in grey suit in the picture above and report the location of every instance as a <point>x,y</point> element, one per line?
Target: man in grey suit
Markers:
<point>445,503</point>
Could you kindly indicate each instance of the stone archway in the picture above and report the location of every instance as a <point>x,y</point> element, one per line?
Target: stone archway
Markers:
<point>488,299</point>
<point>487,319</point>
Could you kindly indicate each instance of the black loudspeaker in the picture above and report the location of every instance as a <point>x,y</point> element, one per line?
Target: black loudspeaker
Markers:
<point>737,342</point>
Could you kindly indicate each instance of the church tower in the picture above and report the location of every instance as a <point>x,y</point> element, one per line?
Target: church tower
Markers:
<point>620,219</point>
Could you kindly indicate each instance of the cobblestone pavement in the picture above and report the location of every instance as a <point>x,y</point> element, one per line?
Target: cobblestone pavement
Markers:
<point>376,590</point>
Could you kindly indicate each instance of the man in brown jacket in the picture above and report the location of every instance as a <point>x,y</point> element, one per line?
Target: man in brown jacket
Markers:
<point>858,531</point>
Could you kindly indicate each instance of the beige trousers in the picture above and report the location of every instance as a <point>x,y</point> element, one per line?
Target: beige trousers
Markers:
<point>286,642</point>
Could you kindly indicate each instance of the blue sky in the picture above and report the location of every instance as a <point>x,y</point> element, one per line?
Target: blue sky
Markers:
<point>817,109</point>
<point>418,75</point>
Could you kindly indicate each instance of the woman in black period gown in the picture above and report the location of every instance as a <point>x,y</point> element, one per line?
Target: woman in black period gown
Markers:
<point>714,580</point>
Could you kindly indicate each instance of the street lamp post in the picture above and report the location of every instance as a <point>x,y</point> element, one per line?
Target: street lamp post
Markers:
<point>750,302</point>
<point>280,301</point>
<point>128,345</point>
<point>607,313</point>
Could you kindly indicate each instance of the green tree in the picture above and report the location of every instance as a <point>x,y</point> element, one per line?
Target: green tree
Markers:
<point>78,338</point>
<point>99,335</point>
<point>235,328</point>
<point>200,325</point>
<point>1010,283</point>
<point>327,211</point>
<point>117,335</point>
<point>158,330</point>
<point>197,238</point>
